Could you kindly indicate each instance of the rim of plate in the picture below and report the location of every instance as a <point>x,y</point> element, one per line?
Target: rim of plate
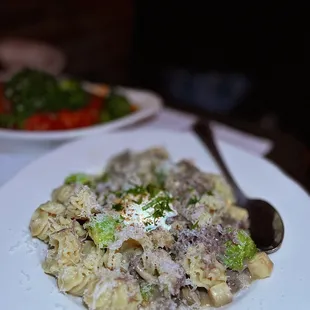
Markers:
<point>150,104</point>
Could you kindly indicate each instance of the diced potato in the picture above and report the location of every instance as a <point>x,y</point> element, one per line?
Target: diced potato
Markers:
<point>260,266</point>
<point>238,213</point>
<point>220,294</point>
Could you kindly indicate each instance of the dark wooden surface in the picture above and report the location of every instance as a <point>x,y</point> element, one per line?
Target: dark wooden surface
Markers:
<point>95,35</point>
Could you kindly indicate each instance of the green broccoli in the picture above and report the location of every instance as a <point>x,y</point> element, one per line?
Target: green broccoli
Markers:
<point>117,106</point>
<point>32,91</point>
<point>102,229</point>
<point>105,116</point>
<point>75,96</point>
<point>237,253</point>
<point>80,178</point>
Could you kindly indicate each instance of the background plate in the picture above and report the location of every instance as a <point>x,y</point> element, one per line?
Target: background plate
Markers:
<point>149,104</point>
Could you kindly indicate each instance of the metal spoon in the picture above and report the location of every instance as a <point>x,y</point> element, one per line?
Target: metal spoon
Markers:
<point>266,225</point>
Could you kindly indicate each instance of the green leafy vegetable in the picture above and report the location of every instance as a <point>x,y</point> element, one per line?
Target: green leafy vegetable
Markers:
<point>105,116</point>
<point>79,178</point>
<point>116,106</point>
<point>160,205</point>
<point>102,229</point>
<point>150,189</point>
<point>118,207</point>
<point>193,200</point>
<point>153,190</point>
<point>74,95</point>
<point>195,225</point>
<point>160,178</point>
<point>137,190</point>
<point>31,91</point>
<point>237,253</point>
<point>11,121</point>
<point>103,178</point>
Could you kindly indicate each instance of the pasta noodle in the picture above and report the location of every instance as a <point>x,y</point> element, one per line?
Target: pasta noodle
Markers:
<point>203,274</point>
<point>65,251</point>
<point>113,260</point>
<point>63,193</point>
<point>74,279</point>
<point>148,234</point>
<point>92,256</point>
<point>48,219</point>
<point>113,290</point>
<point>82,203</point>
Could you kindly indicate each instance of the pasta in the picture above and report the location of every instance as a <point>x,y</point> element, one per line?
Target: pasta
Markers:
<point>49,218</point>
<point>203,271</point>
<point>113,290</point>
<point>82,203</point>
<point>148,234</point>
<point>74,279</point>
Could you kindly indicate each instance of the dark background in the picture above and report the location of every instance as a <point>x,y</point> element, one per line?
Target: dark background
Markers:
<point>264,41</point>
<point>134,42</point>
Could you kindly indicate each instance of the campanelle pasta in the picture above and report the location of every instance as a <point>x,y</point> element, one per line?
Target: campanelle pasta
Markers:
<point>148,234</point>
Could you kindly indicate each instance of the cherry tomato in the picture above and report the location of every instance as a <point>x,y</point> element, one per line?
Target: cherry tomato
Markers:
<point>38,122</point>
<point>67,119</point>
<point>4,103</point>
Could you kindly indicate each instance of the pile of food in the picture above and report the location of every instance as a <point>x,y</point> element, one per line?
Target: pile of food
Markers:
<point>35,100</point>
<point>148,233</point>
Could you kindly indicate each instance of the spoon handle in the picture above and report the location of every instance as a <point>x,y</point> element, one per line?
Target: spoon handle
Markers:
<point>203,130</point>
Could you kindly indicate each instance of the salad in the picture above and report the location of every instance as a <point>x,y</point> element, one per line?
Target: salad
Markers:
<point>37,101</point>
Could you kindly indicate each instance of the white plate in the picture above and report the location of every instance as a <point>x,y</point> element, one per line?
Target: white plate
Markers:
<point>24,284</point>
<point>149,104</point>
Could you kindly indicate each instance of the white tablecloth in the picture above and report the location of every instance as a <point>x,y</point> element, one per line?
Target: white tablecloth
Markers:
<point>11,163</point>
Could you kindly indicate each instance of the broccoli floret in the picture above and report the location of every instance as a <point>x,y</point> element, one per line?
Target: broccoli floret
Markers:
<point>74,95</point>
<point>33,91</point>
<point>79,178</point>
<point>102,229</point>
<point>117,106</point>
<point>237,253</point>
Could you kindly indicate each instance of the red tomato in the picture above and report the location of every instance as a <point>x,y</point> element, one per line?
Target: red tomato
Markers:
<point>96,102</point>
<point>69,119</point>
<point>66,119</point>
<point>4,103</point>
<point>38,122</point>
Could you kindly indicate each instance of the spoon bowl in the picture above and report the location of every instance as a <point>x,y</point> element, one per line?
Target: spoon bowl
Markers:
<point>266,225</point>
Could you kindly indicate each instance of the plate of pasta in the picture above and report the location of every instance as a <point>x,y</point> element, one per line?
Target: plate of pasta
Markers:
<point>136,220</point>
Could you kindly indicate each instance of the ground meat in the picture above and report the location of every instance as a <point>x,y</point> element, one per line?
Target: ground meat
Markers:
<point>161,238</point>
<point>136,168</point>
<point>133,263</point>
<point>178,223</point>
<point>227,220</point>
<point>162,304</point>
<point>186,179</point>
<point>171,275</point>
<point>237,281</point>
<point>212,237</point>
